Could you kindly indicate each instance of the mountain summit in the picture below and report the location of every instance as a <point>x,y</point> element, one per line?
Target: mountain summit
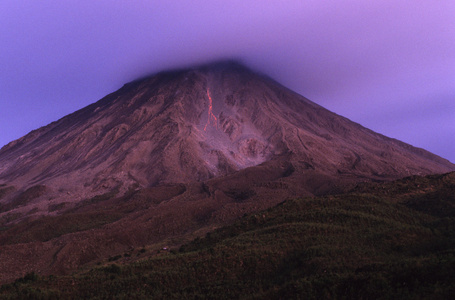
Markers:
<point>172,156</point>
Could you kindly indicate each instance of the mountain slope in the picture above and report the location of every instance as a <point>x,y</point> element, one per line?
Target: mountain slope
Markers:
<point>397,249</point>
<point>182,126</point>
<point>175,155</point>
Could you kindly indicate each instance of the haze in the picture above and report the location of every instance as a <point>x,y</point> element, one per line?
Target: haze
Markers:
<point>388,65</point>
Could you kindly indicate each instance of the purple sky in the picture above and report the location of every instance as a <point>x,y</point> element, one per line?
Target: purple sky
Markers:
<point>388,65</point>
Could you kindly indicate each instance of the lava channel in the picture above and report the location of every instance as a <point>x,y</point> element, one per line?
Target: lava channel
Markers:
<point>211,117</point>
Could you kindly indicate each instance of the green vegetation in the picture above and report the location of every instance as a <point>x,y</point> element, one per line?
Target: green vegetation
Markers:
<point>382,241</point>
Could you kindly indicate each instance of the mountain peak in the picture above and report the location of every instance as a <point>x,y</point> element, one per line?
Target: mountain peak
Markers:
<point>173,154</point>
<point>222,65</point>
<point>226,64</point>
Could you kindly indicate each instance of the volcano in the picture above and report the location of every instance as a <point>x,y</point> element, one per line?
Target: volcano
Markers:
<point>172,155</point>
<point>196,124</point>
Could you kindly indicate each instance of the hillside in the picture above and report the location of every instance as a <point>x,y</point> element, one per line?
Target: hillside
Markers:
<point>378,241</point>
